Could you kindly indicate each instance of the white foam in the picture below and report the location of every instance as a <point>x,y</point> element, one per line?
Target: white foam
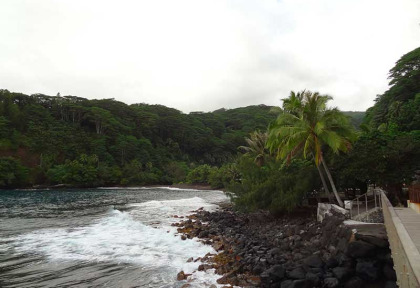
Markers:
<point>116,238</point>
<point>161,213</point>
<point>125,237</point>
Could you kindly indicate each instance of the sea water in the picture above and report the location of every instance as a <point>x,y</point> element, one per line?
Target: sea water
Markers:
<point>106,237</point>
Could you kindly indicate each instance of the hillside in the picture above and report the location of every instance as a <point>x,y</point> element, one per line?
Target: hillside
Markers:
<point>130,144</point>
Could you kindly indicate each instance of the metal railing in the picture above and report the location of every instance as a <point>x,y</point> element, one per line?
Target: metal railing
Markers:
<point>367,205</point>
<point>404,253</point>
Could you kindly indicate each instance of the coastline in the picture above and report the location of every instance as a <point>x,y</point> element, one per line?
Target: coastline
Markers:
<point>259,250</point>
<point>68,186</point>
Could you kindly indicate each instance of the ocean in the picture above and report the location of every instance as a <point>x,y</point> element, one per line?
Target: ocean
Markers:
<point>105,237</point>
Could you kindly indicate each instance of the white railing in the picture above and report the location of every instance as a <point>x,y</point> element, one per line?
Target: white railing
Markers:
<point>367,205</point>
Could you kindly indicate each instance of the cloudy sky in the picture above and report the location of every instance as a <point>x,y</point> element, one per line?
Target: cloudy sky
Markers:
<point>201,55</point>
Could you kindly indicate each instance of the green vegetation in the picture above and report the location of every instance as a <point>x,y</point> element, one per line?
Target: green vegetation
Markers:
<point>385,151</point>
<point>287,153</point>
<point>306,126</point>
<point>79,142</point>
<point>388,151</point>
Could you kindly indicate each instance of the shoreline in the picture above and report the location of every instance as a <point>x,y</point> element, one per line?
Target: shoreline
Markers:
<point>259,250</point>
<point>69,187</point>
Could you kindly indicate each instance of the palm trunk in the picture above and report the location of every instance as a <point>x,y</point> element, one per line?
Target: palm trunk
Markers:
<point>324,183</point>
<point>332,184</point>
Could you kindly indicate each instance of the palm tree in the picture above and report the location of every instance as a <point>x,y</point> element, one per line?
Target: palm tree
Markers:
<point>306,126</point>
<point>256,146</point>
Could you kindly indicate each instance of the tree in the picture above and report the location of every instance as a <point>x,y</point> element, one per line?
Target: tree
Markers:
<point>12,173</point>
<point>256,146</point>
<point>306,126</point>
<point>398,105</point>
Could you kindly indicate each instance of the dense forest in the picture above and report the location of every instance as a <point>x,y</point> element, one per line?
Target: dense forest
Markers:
<point>311,149</point>
<point>73,141</point>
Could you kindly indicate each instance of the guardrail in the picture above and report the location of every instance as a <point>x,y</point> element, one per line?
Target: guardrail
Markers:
<point>364,205</point>
<point>404,253</point>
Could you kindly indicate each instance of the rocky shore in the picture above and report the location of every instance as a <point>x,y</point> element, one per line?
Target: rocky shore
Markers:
<point>259,250</point>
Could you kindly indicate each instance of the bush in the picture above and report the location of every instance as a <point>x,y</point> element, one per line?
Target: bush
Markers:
<point>176,171</point>
<point>275,186</point>
<point>199,175</point>
<point>81,172</point>
<point>12,173</point>
<point>222,177</point>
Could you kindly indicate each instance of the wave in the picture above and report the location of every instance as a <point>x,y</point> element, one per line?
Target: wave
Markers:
<point>116,238</point>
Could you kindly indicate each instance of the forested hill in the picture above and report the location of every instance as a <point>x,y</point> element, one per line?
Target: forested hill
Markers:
<point>356,117</point>
<point>48,134</point>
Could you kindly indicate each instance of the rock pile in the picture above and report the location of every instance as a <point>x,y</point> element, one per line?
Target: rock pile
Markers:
<point>258,250</point>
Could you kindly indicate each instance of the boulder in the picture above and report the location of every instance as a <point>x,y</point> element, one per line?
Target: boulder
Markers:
<point>390,284</point>
<point>287,284</point>
<point>275,273</point>
<point>313,279</point>
<point>274,251</point>
<point>360,249</point>
<point>389,272</point>
<point>331,282</point>
<point>343,273</point>
<point>374,240</point>
<point>181,276</point>
<point>258,269</point>
<point>303,283</point>
<point>332,262</point>
<point>297,273</point>
<point>313,261</point>
<point>368,269</point>
<point>354,282</point>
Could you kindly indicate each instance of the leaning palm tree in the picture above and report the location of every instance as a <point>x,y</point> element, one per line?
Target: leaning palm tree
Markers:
<point>256,146</point>
<point>306,126</point>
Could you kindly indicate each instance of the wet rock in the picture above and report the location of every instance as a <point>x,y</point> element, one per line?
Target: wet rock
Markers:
<point>258,269</point>
<point>297,273</point>
<point>204,267</point>
<point>367,269</point>
<point>274,251</point>
<point>354,282</point>
<point>275,273</point>
<point>183,237</point>
<point>343,273</point>
<point>331,282</point>
<point>182,276</point>
<point>331,263</point>
<point>389,272</point>
<point>374,240</point>
<point>190,259</point>
<point>360,249</point>
<point>313,261</point>
<point>390,284</point>
<point>313,279</point>
<point>302,283</point>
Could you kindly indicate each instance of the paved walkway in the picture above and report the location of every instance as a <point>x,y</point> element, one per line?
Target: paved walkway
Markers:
<point>411,221</point>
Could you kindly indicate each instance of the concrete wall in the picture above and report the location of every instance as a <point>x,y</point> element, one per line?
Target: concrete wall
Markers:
<point>325,209</point>
<point>404,253</point>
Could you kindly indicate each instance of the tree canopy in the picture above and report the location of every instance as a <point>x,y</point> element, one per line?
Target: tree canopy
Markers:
<point>133,144</point>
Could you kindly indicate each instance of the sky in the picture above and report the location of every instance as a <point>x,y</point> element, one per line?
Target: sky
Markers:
<point>202,55</point>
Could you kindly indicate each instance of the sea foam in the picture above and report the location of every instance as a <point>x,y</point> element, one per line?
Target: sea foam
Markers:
<point>141,236</point>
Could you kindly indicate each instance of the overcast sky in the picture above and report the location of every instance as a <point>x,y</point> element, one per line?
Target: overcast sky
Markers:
<point>198,55</point>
